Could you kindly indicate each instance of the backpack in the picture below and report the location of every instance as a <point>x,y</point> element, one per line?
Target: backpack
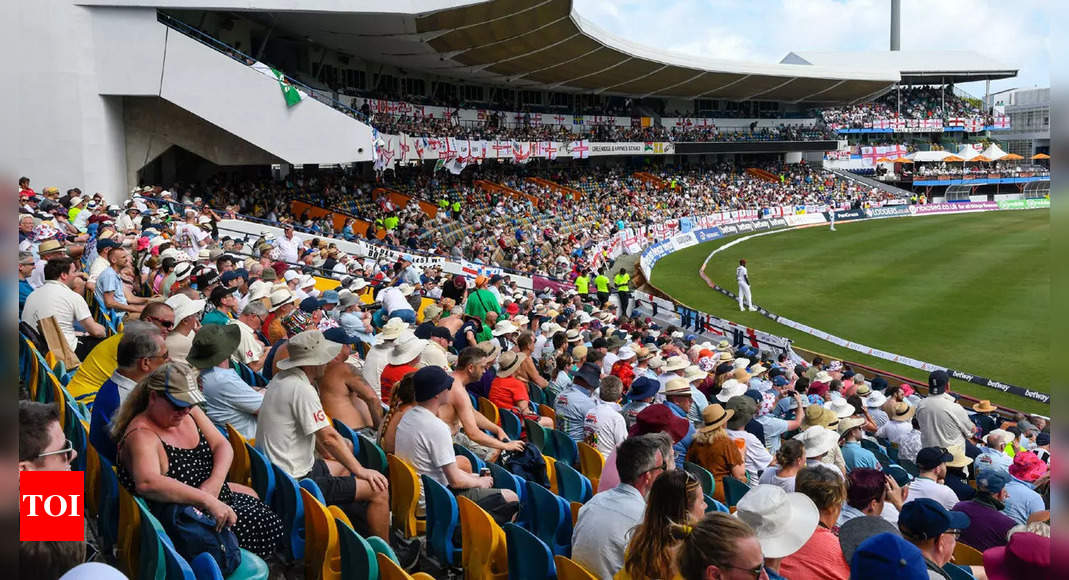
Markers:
<point>193,532</point>
<point>527,464</point>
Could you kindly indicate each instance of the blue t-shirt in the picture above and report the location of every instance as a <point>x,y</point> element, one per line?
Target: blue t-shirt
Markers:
<point>24,292</point>
<point>857,457</point>
<point>104,406</point>
<point>109,281</point>
<point>571,406</point>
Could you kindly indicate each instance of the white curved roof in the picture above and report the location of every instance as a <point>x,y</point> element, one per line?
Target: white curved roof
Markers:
<point>535,44</point>
<point>915,66</point>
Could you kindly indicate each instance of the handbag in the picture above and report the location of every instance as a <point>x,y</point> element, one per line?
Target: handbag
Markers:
<point>193,532</point>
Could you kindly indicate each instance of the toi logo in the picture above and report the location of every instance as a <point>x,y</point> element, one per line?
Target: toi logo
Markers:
<point>51,506</point>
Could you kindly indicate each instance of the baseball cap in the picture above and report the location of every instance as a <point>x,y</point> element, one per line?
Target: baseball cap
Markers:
<point>179,384</point>
<point>441,332</point>
<point>311,304</point>
<point>925,518</point>
<point>229,276</point>
<point>220,292</point>
<point>429,382</point>
<point>931,457</point>
<point>937,382</point>
<point>331,297</point>
<point>992,480</point>
<point>105,243</point>
<point>887,556</point>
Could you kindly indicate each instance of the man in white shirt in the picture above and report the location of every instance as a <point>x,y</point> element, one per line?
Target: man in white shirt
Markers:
<point>292,425</point>
<point>55,298</point>
<point>251,352</point>
<point>742,276</point>
<point>755,456</point>
<point>931,461</point>
<point>942,422</point>
<point>104,246</point>
<point>190,237</point>
<point>127,221</point>
<point>395,305</point>
<point>376,359</point>
<point>604,426</point>
<point>426,442</point>
<point>288,245</point>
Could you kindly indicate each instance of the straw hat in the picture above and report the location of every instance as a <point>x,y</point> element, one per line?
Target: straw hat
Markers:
<point>694,373</point>
<point>509,363</point>
<point>676,363</point>
<point>984,406</point>
<point>573,335</point>
<point>309,348</point>
<point>677,387</point>
<point>280,298</point>
<point>730,388</point>
<point>714,417</point>
<point>848,423</point>
<point>392,329</point>
<point>405,351</point>
<point>902,412</point>
<point>492,348</point>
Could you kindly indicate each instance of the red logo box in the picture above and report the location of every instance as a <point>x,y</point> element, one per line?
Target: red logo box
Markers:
<point>52,506</point>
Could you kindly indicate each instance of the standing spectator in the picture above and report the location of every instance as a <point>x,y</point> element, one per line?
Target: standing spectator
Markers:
<point>292,425</point>
<point>55,298</point>
<point>989,526</point>
<point>481,301</point>
<point>603,526</point>
<point>821,556</point>
<point>228,398</point>
<point>604,426</point>
<point>943,422</point>
<point>288,245</point>
<point>426,443</point>
<point>395,305</point>
<point>934,530</point>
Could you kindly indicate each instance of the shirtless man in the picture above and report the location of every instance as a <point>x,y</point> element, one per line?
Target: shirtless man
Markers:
<point>458,413</point>
<point>345,394</point>
<point>455,319</point>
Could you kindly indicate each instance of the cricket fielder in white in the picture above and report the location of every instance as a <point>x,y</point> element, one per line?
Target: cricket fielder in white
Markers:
<point>832,212</point>
<point>741,275</point>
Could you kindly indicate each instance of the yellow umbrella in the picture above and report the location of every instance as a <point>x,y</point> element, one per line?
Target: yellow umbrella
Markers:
<point>1041,156</point>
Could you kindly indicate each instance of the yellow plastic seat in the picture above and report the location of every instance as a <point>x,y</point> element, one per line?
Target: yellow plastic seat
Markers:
<point>489,410</point>
<point>241,465</point>
<point>129,544</point>
<point>322,554</point>
<point>568,569</point>
<point>339,514</point>
<point>966,555</point>
<point>575,506</point>
<point>390,570</point>
<point>551,472</point>
<point>591,462</point>
<point>404,497</point>
<point>484,553</point>
<point>547,411</point>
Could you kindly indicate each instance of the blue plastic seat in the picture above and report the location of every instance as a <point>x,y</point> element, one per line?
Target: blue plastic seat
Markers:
<point>510,422</point>
<point>313,488</point>
<point>379,546</point>
<point>75,431</point>
<point>957,572</point>
<point>476,463</point>
<point>734,490</point>
<point>711,505</point>
<point>108,510</point>
<point>573,486</point>
<point>287,503</point>
<point>551,518</point>
<point>536,435</point>
<point>529,557</point>
<point>357,557</point>
<point>443,518</point>
<point>263,476</point>
<point>369,454</point>
<point>348,433</point>
<point>564,448</point>
<point>706,479</point>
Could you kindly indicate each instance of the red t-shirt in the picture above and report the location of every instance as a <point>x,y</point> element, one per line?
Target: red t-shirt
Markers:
<point>506,392</point>
<point>391,375</point>
<point>821,558</point>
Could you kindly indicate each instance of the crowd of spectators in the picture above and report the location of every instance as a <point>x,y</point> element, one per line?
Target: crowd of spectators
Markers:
<point>186,331</point>
<point>921,102</point>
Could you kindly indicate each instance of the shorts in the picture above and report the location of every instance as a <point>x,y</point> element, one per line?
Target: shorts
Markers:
<point>481,451</point>
<point>339,490</point>
<point>493,502</point>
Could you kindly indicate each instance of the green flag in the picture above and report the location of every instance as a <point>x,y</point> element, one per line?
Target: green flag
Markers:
<point>438,165</point>
<point>289,92</point>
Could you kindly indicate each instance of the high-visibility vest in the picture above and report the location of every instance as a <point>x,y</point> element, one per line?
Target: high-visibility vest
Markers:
<point>602,283</point>
<point>621,280</point>
<point>582,285</point>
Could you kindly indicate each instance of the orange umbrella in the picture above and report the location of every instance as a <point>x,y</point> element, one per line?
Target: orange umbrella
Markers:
<point>1011,157</point>
<point>952,159</point>
<point>1041,156</point>
<point>902,160</point>
<point>980,159</point>
<point>883,160</point>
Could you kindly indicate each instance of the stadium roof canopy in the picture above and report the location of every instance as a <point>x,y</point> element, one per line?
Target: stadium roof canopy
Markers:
<point>917,67</point>
<point>545,44</point>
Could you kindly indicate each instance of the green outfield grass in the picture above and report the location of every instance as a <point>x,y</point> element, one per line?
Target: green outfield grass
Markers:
<point>971,292</point>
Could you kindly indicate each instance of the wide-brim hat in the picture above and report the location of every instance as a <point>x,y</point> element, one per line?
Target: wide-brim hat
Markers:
<point>817,441</point>
<point>491,348</point>
<point>406,289</point>
<point>714,416</point>
<point>1026,555</point>
<point>855,531</point>
<point>659,418</point>
<point>822,377</point>
<point>643,388</point>
<point>186,309</point>
<point>573,335</point>
<point>730,388</point>
<point>392,329</point>
<point>694,373</point>
<point>841,408</point>
<point>509,363</point>
<point>676,363</point>
<point>309,348</point>
<point>902,412</point>
<point>504,327</point>
<point>875,399</point>
<point>741,363</point>
<point>626,354</point>
<point>783,522</point>
<point>678,386</point>
<point>984,406</point>
<point>212,344</point>
<point>405,351</point>
<point>848,423</point>
<point>280,298</point>
<point>358,285</point>
<point>182,271</point>
<point>590,374</point>
<point>615,342</point>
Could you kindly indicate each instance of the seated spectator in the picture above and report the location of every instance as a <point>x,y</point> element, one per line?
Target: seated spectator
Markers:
<point>854,455</point>
<point>510,393</point>
<point>715,450</point>
<point>790,459</point>
<point>931,461</point>
<point>141,350</point>
<point>985,417</point>
<point>346,397</point>
<point>403,359</point>
<point>773,426</point>
<point>957,477</point>
<point>603,527</point>
<point>573,403</point>
<point>854,532</point>
<point>900,429</point>
<point>820,556</point>
<point>187,314</point>
<point>653,419</point>
<point>675,498</point>
<point>1022,500</point>
<point>436,353</point>
<point>376,359</point>
<point>719,546</point>
<point>292,425</point>
<point>470,429</point>
<point>225,306</point>
<point>169,452</point>
<point>888,556</point>
<point>870,492</point>
<point>990,527</point>
<point>783,522</point>
<point>402,399</point>
<point>679,399</point>
<point>934,530</point>
<point>56,299</point>
<point>229,399</point>
<point>755,457</point>
<point>993,454</point>
<point>426,443</point>
<point>251,352</point>
<point>1026,555</point>
<point>641,395</point>
<point>604,426</point>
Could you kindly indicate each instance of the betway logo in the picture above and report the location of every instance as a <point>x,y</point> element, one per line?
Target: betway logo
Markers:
<point>1037,395</point>
<point>963,376</point>
<point>998,385</point>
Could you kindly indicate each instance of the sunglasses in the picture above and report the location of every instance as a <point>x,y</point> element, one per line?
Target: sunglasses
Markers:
<point>164,323</point>
<point>66,450</point>
<point>755,572</point>
<point>663,467</point>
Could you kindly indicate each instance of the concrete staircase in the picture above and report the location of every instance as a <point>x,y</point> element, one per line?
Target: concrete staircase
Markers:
<point>867,182</point>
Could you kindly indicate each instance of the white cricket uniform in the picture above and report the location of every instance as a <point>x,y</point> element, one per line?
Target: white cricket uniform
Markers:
<point>744,287</point>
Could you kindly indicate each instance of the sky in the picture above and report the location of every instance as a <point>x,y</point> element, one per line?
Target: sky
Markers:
<point>1013,32</point>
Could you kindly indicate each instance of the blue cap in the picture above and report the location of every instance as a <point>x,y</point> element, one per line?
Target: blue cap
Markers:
<point>780,381</point>
<point>643,388</point>
<point>888,556</point>
<point>311,304</point>
<point>430,381</point>
<point>229,276</point>
<point>331,297</point>
<point>924,519</point>
<point>992,480</point>
<point>337,334</point>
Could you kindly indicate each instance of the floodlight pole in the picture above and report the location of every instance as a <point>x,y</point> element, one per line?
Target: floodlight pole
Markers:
<point>896,24</point>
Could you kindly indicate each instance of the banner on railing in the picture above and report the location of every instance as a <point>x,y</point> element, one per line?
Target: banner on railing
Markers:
<point>456,153</point>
